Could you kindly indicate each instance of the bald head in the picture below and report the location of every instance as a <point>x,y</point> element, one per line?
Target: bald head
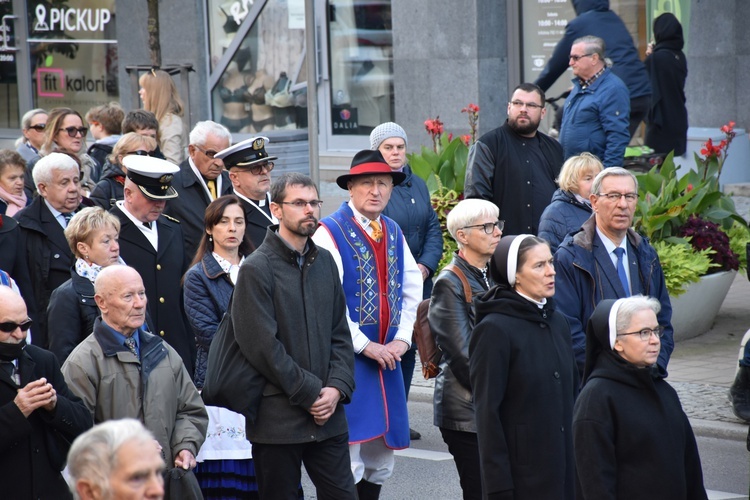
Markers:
<point>12,310</point>
<point>121,297</point>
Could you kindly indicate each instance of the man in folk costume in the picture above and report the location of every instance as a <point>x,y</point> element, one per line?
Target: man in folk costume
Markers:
<point>383,286</point>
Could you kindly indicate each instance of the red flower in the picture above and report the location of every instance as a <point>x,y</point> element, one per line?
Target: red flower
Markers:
<point>689,187</point>
<point>466,138</point>
<point>434,126</point>
<point>450,137</point>
<point>471,108</point>
<point>728,128</point>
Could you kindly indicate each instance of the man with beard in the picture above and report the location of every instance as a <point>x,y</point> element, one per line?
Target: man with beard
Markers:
<point>515,166</point>
<point>289,316</point>
<point>39,415</point>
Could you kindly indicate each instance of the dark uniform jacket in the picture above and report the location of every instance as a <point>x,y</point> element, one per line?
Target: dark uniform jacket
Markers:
<point>161,272</point>
<point>13,261</point>
<point>33,450</point>
<point>48,258</point>
<point>190,207</point>
<point>257,223</point>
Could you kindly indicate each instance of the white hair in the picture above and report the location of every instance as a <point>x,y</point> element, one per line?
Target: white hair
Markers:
<point>201,131</point>
<point>467,212</point>
<point>93,454</point>
<point>43,172</point>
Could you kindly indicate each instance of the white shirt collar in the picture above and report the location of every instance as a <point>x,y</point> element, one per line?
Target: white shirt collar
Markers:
<point>609,245</point>
<point>361,219</point>
<point>202,181</point>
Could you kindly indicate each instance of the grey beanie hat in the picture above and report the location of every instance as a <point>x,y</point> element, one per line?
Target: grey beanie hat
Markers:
<point>386,131</point>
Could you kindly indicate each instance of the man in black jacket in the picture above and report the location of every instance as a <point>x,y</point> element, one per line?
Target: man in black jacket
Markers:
<point>306,357</point>
<point>200,181</point>
<point>515,165</point>
<point>39,416</point>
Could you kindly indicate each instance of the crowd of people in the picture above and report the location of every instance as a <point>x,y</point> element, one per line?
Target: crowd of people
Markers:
<point>122,263</point>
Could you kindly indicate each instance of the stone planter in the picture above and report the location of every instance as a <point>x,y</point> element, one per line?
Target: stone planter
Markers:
<point>693,312</point>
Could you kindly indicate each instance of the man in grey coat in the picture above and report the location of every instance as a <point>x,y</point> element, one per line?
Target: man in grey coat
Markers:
<point>289,316</point>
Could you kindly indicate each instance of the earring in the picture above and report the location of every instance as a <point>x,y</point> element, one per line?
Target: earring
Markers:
<point>210,238</point>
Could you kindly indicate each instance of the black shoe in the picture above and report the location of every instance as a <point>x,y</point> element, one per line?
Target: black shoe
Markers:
<point>739,394</point>
<point>367,490</point>
<point>414,435</point>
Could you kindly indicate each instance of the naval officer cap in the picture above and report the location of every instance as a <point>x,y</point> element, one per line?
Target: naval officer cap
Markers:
<point>246,154</point>
<point>153,176</point>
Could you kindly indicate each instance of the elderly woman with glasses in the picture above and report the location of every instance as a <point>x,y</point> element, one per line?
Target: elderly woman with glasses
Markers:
<point>523,377</point>
<point>65,132</point>
<point>110,188</point>
<point>631,436</point>
<point>33,124</point>
<point>476,229</point>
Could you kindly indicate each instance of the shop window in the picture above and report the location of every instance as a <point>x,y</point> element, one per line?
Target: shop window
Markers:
<point>361,65</point>
<point>263,87</point>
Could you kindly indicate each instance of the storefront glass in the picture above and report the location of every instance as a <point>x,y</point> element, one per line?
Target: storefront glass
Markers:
<point>73,53</point>
<point>361,65</point>
<point>264,86</point>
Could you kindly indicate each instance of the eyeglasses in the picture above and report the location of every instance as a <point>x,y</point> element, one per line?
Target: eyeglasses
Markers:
<point>302,203</point>
<point>73,131</point>
<point>208,152</point>
<point>576,58</point>
<point>615,197</point>
<point>39,127</point>
<point>141,152</point>
<point>529,105</point>
<point>489,227</point>
<point>646,333</point>
<point>258,169</point>
<point>10,327</point>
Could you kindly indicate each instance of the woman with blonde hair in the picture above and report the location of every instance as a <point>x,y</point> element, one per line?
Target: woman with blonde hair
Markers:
<point>570,206</point>
<point>160,96</point>
<point>110,188</point>
<point>92,235</point>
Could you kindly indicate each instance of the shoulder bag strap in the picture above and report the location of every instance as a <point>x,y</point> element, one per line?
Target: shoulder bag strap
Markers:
<point>458,272</point>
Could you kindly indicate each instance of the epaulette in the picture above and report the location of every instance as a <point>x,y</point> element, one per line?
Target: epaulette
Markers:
<point>171,218</point>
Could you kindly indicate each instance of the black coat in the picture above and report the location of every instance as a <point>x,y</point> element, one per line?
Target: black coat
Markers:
<point>632,439</point>
<point>500,169</point>
<point>524,381</point>
<point>667,121</point>
<point>48,258</point>
<point>13,261</point>
<point>162,273</point>
<point>110,187</point>
<point>190,207</point>
<point>33,450</point>
<point>257,223</point>
<point>451,321</point>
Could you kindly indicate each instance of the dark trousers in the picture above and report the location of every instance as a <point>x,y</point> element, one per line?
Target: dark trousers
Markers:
<point>408,361</point>
<point>638,111</point>
<point>278,469</point>
<point>465,450</point>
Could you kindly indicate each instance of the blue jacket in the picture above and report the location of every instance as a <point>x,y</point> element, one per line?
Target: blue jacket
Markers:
<point>595,18</point>
<point>564,215</point>
<point>596,120</point>
<point>586,275</point>
<point>207,293</point>
<point>410,206</point>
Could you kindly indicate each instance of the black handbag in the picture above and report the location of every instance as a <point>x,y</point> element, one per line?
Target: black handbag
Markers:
<point>231,381</point>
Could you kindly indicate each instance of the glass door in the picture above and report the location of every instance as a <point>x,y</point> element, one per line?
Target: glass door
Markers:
<point>356,89</point>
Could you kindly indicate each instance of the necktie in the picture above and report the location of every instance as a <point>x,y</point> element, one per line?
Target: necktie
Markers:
<point>67,216</point>
<point>130,344</point>
<point>377,233</point>
<point>211,183</point>
<point>9,368</point>
<point>147,224</point>
<point>620,253</point>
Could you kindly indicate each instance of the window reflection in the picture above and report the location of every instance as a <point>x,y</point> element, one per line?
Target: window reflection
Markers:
<point>264,86</point>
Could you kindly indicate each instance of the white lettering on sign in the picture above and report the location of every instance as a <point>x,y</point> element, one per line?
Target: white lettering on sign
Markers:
<point>71,19</point>
<point>240,9</point>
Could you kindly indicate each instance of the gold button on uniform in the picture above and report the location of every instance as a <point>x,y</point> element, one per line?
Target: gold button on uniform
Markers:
<point>161,333</point>
<point>158,267</point>
<point>161,299</point>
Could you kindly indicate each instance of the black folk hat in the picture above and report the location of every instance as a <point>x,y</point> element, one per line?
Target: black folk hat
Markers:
<point>368,162</point>
<point>245,154</point>
<point>153,176</point>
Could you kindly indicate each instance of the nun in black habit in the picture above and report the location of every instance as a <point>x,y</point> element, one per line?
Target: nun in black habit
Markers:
<point>632,438</point>
<point>524,377</point>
